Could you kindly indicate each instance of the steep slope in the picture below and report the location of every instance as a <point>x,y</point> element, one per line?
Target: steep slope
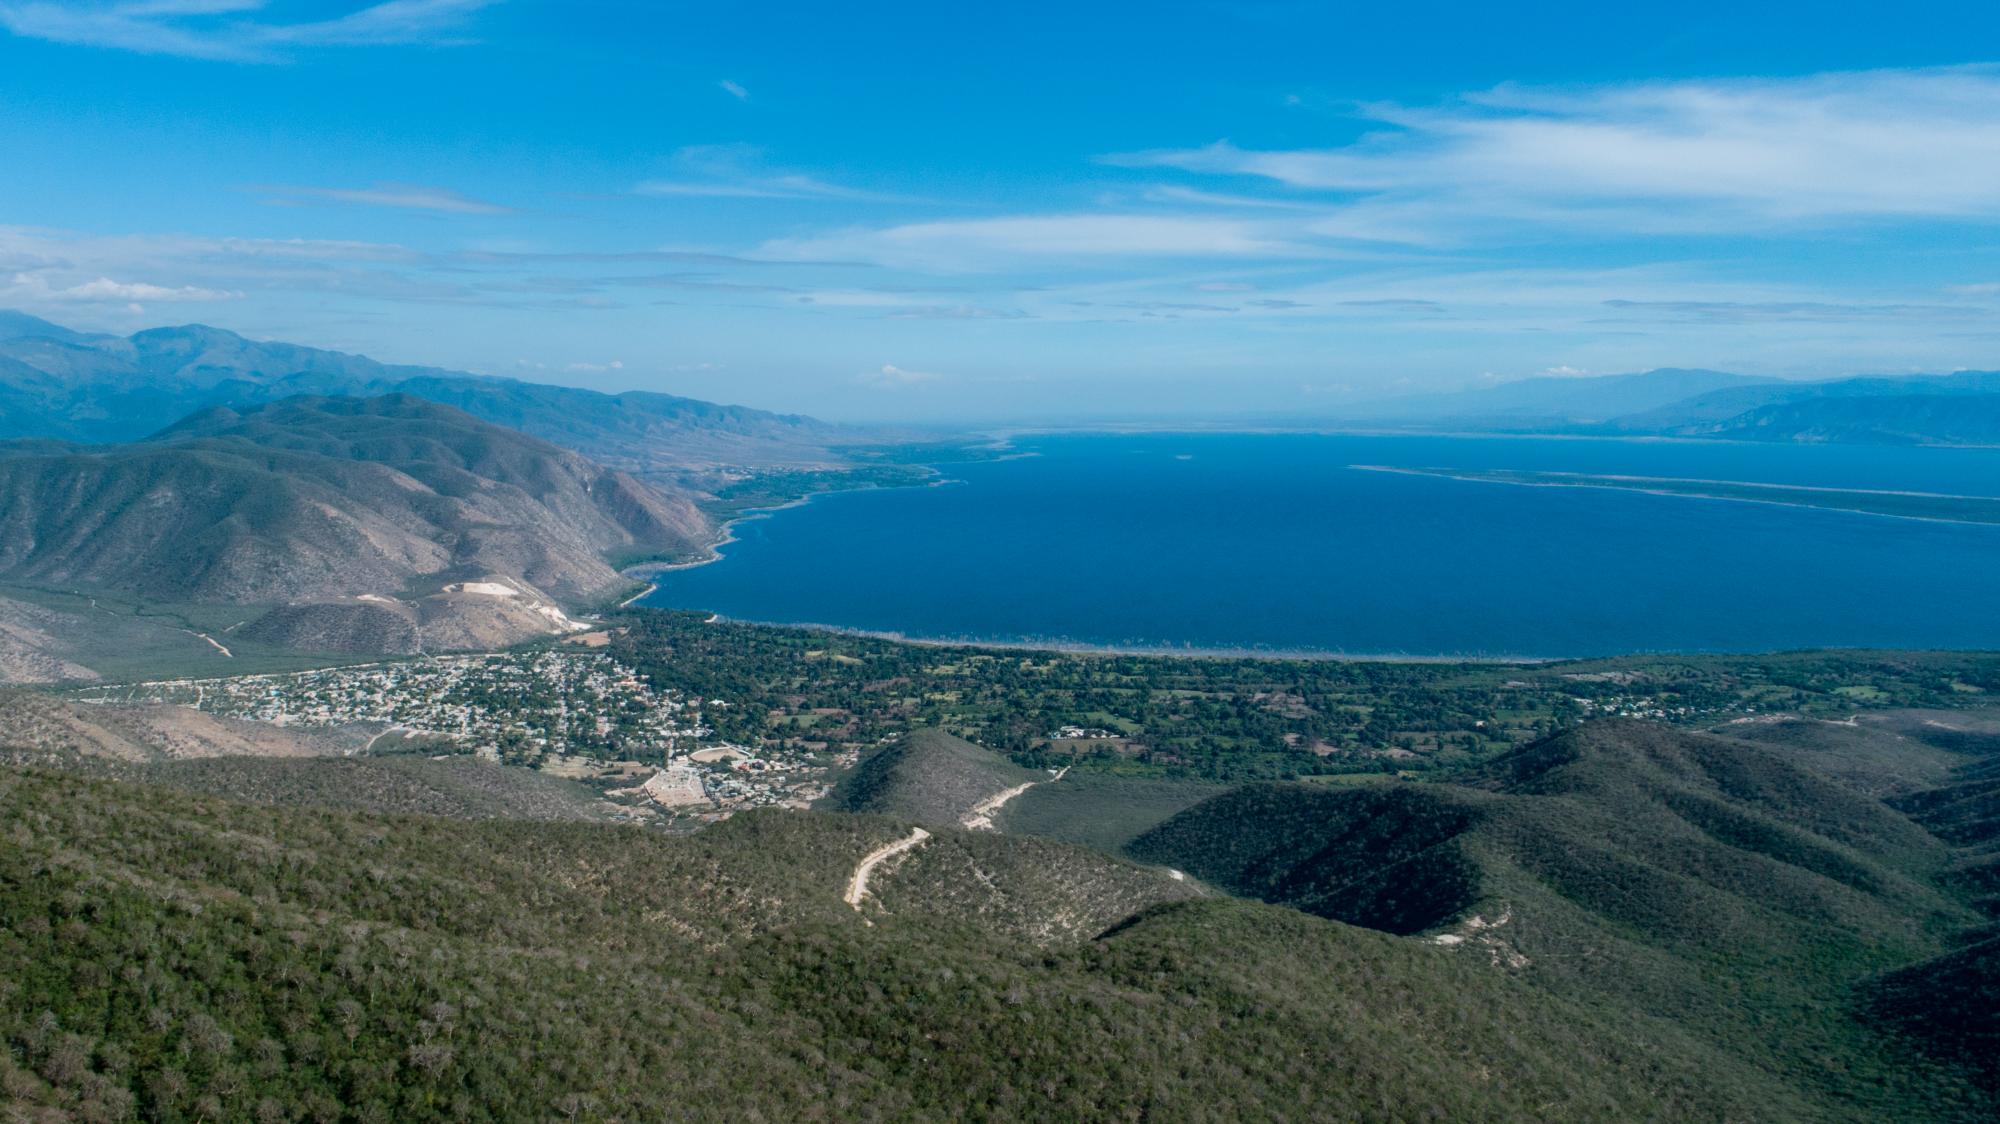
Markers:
<point>930,777</point>
<point>1947,1005</point>
<point>1950,1005</point>
<point>169,955</point>
<point>1964,809</point>
<point>1388,858</point>
<point>69,385</point>
<point>342,504</point>
<point>1620,862</point>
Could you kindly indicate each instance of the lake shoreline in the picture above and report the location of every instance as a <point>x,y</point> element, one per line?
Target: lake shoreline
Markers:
<point>1253,547</point>
<point>646,571</point>
<point>1089,648</point>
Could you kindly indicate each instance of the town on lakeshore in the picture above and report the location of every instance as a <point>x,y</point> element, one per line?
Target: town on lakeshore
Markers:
<point>576,714</point>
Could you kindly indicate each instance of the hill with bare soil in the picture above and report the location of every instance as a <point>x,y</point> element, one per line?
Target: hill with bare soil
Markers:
<point>377,524</point>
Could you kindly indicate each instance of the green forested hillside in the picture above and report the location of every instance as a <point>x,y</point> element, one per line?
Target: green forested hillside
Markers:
<point>1385,857</point>
<point>181,957</point>
<point>1618,921</point>
<point>1717,882</point>
<point>930,777</point>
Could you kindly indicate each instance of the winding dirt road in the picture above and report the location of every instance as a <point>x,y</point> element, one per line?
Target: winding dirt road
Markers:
<point>857,886</point>
<point>980,818</point>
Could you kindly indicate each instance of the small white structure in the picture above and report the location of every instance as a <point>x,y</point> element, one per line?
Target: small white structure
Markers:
<point>675,786</point>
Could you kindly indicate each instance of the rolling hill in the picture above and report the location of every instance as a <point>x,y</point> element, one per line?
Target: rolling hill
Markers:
<point>1618,921</point>
<point>1617,862</point>
<point>358,524</point>
<point>170,954</point>
<point>929,777</point>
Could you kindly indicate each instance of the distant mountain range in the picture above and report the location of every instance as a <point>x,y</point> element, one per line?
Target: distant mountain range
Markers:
<point>347,524</point>
<point>77,386</point>
<point>1955,409</point>
<point>1556,401</point>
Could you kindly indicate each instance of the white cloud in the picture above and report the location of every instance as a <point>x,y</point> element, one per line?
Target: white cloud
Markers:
<point>1688,155</point>
<point>410,196</point>
<point>31,287</point>
<point>892,377</point>
<point>597,368</point>
<point>228,30</point>
<point>734,90</point>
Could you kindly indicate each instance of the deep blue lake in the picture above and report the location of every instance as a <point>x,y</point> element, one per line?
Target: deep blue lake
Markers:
<point>1274,542</point>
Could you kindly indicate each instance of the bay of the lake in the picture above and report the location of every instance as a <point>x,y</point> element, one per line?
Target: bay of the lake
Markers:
<point>1277,542</point>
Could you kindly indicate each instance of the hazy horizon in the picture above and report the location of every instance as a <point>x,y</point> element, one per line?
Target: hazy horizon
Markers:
<point>1267,210</point>
<point>1136,416</point>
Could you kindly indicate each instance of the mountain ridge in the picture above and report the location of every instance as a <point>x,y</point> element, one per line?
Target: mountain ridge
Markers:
<point>370,523</point>
<point>77,386</point>
<point>1961,408</point>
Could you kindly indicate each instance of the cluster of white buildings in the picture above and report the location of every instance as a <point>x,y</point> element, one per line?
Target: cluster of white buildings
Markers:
<point>1640,706</point>
<point>571,712</point>
<point>1082,733</point>
<point>539,702</point>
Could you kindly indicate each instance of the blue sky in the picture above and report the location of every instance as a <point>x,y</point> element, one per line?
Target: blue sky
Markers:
<point>1018,211</point>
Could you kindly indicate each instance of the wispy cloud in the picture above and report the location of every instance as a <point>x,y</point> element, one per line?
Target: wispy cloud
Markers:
<point>1744,312</point>
<point>202,267</point>
<point>738,171</point>
<point>234,30</point>
<point>892,377</point>
<point>33,288</point>
<point>1664,156</point>
<point>1011,240</point>
<point>734,90</point>
<point>409,196</point>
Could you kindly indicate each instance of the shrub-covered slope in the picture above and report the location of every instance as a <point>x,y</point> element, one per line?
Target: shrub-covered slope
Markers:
<point>928,776</point>
<point>1386,858</point>
<point>182,957</point>
<point>1721,884</point>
